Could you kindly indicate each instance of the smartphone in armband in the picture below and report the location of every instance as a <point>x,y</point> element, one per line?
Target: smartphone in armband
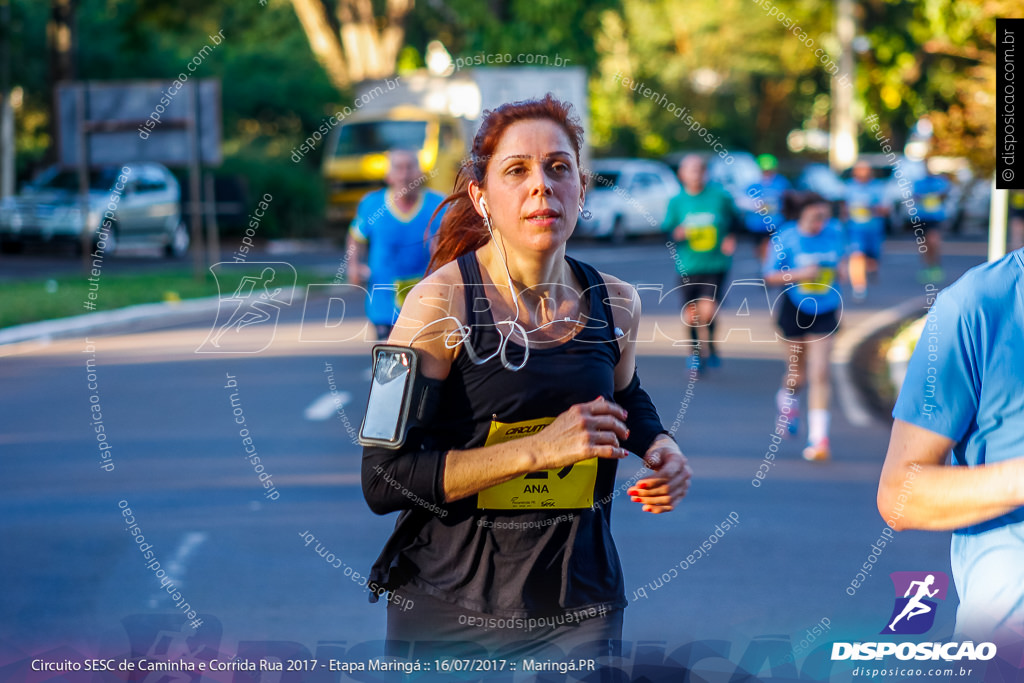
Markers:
<point>400,397</point>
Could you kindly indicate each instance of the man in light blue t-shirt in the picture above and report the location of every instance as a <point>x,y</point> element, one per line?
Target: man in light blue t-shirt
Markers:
<point>865,210</point>
<point>964,391</point>
<point>930,195</point>
<point>389,239</point>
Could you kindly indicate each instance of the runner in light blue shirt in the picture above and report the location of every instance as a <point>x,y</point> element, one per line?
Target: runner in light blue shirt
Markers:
<point>865,210</point>
<point>964,391</point>
<point>766,194</point>
<point>806,259</point>
<point>823,250</point>
<point>930,195</point>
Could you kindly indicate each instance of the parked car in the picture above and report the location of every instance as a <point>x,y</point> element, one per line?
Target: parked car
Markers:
<point>736,177</point>
<point>147,209</point>
<point>970,202</point>
<point>821,179</point>
<point>627,197</point>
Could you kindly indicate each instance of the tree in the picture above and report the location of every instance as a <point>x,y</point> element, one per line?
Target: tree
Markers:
<point>737,70</point>
<point>354,44</point>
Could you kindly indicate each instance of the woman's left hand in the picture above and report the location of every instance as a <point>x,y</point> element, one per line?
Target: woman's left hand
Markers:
<point>661,493</point>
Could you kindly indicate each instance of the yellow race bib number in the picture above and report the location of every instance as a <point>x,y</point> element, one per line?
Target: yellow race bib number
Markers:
<point>822,284</point>
<point>702,237</point>
<point>570,487</point>
<point>860,214</point>
<point>932,203</point>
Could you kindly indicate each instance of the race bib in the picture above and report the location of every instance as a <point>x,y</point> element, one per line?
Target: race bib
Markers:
<point>860,214</point>
<point>1017,200</point>
<point>932,203</point>
<point>702,237</point>
<point>825,279</point>
<point>570,487</point>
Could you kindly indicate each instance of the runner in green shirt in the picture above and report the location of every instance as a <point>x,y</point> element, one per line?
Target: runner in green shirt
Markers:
<point>700,220</point>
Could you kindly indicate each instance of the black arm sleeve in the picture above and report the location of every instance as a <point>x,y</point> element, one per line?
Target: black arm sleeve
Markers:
<point>642,417</point>
<point>405,478</point>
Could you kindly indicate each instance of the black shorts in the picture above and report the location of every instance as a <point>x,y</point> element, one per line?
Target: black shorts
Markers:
<point>444,629</point>
<point>758,238</point>
<point>701,286</point>
<point>796,324</point>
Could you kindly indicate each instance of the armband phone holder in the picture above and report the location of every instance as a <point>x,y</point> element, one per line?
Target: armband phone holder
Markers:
<point>400,397</point>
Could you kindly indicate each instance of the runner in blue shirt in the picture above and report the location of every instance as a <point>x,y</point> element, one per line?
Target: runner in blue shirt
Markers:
<point>767,196</point>
<point>865,225</point>
<point>964,392</point>
<point>807,261</point>
<point>930,194</point>
<point>389,239</point>
<point>1016,227</point>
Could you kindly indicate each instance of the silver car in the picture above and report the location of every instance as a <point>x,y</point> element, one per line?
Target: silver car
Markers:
<point>142,202</point>
<point>627,197</point>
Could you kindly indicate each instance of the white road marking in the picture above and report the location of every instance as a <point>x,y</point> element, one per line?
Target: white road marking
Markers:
<point>323,408</point>
<point>177,565</point>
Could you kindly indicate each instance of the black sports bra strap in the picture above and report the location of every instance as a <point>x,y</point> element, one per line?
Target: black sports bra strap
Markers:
<point>598,291</point>
<point>472,284</point>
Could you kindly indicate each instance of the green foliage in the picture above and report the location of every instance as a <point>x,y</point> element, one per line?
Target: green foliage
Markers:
<point>551,27</point>
<point>32,300</point>
<point>737,70</point>
<point>273,91</point>
<point>297,208</point>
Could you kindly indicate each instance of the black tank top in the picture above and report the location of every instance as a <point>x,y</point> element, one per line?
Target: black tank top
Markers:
<point>537,545</point>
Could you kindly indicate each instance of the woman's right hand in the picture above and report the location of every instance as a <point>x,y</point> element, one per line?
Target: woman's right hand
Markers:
<point>584,431</point>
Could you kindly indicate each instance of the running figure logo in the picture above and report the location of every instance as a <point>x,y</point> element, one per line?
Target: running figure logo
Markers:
<point>254,300</point>
<point>914,612</point>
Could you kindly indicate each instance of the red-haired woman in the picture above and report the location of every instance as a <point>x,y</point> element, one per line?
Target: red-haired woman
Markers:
<point>504,535</point>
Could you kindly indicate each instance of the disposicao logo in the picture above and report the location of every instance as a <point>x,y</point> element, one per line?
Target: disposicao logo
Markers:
<point>913,614</point>
<point>916,592</point>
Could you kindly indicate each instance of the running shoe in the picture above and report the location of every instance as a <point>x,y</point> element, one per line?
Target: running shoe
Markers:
<point>793,425</point>
<point>713,361</point>
<point>859,295</point>
<point>791,412</point>
<point>817,452</point>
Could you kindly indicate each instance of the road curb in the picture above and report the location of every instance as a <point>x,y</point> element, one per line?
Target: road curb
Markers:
<point>849,342</point>
<point>92,322</point>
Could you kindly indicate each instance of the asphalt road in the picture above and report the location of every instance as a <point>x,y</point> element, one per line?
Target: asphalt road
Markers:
<point>75,582</point>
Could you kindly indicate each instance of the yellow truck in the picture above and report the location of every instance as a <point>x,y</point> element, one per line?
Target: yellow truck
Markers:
<point>437,116</point>
<point>358,160</point>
